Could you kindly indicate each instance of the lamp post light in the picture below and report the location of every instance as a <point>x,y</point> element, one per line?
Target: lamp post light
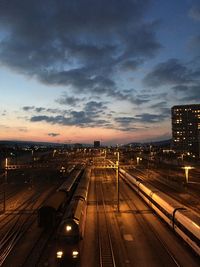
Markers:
<point>105,151</point>
<point>187,168</point>
<point>138,159</point>
<point>54,152</point>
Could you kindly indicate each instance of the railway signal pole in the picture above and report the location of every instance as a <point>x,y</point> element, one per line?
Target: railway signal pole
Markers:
<point>5,184</point>
<point>117,180</point>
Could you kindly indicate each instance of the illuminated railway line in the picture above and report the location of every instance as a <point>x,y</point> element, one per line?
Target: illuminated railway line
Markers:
<point>145,225</point>
<point>33,258</point>
<point>38,252</point>
<point>192,203</point>
<point>8,195</point>
<point>9,218</point>
<point>20,225</point>
<point>183,221</point>
<point>18,229</point>
<point>106,254</point>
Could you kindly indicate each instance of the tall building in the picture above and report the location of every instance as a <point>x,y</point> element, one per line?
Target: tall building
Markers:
<point>96,144</point>
<point>186,128</point>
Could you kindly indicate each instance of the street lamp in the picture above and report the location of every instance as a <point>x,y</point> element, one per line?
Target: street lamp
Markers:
<point>187,168</point>
<point>105,152</point>
<point>54,152</point>
<point>138,160</point>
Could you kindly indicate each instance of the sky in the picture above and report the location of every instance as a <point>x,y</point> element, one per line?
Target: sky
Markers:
<point>85,70</point>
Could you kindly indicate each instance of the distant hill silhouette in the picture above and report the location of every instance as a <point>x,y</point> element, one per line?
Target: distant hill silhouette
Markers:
<point>154,143</point>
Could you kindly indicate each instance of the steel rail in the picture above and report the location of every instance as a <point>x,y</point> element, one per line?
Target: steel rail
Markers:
<point>164,245</point>
<point>106,254</point>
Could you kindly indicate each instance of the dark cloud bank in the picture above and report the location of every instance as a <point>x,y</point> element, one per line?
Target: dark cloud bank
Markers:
<point>183,79</point>
<point>94,114</point>
<point>81,44</point>
<point>76,43</point>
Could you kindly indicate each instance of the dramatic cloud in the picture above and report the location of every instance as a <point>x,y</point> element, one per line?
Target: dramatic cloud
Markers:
<point>97,114</point>
<point>90,116</point>
<point>76,43</point>
<point>184,79</point>
<point>126,123</point>
<point>68,100</point>
<point>28,108</point>
<point>150,118</point>
<point>159,105</point>
<point>134,123</point>
<point>41,109</point>
<point>53,134</point>
<point>76,119</point>
<point>130,65</point>
<point>169,72</point>
<point>195,12</point>
<point>94,107</point>
<point>188,93</point>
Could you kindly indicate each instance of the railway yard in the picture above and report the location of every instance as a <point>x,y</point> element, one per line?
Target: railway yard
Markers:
<point>86,211</point>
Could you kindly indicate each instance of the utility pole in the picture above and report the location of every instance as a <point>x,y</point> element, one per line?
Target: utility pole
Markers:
<point>5,184</point>
<point>117,180</point>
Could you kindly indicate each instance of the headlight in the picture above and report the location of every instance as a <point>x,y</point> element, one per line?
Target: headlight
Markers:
<point>75,254</point>
<point>68,228</point>
<point>59,254</point>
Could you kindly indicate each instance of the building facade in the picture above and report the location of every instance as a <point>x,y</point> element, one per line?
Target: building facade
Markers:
<point>97,144</point>
<point>186,128</point>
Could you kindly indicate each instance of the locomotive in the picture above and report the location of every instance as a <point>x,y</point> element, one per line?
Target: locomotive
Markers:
<point>71,228</point>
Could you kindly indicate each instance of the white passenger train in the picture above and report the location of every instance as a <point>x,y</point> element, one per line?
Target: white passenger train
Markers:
<point>181,219</point>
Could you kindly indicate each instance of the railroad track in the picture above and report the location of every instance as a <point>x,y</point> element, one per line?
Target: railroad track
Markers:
<point>10,216</point>
<point>21,223</point>
<point>133,207</point>
<point>106,254</point>
<point>39,247</point>
<point>8,194</point>
<point>18,229</point>
<point>193,203</point>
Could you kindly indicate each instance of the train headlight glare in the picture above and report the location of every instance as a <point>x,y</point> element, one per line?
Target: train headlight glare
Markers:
<point>75,253</point>
<point>59,254</point>
<point>68,228</point>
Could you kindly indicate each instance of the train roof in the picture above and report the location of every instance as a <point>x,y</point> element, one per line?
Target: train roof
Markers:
<point>75,209</point>
<point>68,184</point>
<point>82,188</point>
<point>54,201</point>
<point>192,216</point>
<point>168,200</point>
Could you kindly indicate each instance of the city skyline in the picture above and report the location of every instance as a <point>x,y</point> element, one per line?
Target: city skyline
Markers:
<point>96,70</point>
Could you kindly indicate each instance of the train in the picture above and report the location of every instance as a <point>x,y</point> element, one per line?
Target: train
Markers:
<point>71,228</point>
<point>181,219</point>
<point>53,208</point>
